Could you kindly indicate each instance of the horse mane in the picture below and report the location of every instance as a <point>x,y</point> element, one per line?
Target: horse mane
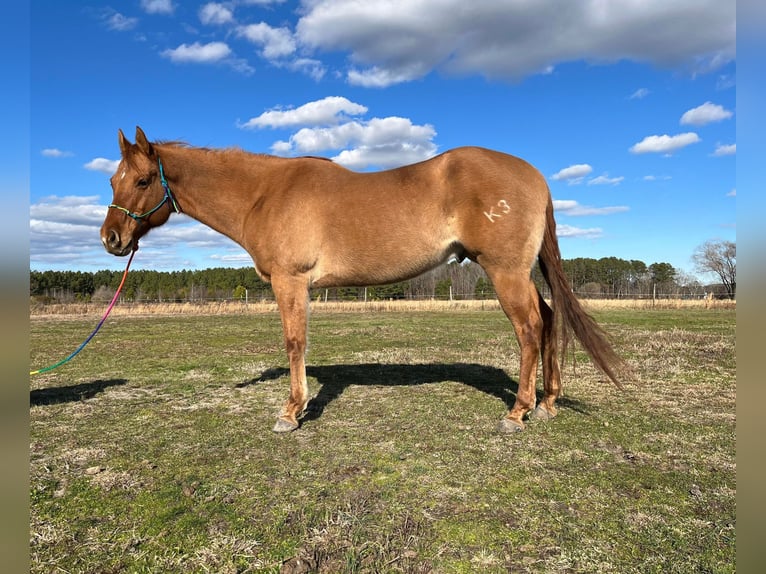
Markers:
<point>185,145</point>
<point>173,143</point>
<point>231,150</point>
<point>314,157</point>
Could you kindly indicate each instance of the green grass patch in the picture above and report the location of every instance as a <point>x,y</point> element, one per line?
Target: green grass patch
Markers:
<point>152,450</point>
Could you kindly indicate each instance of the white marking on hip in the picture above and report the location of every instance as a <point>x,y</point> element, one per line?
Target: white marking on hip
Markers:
<point>504,208</point>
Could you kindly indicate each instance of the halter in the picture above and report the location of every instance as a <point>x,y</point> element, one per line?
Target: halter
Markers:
<point>168,197</point>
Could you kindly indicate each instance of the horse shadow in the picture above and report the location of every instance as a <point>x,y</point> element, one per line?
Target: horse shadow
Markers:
<point>335,379</point>
<point>71,393</point>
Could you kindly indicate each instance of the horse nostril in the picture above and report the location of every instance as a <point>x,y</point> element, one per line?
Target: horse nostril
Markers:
<point>113,239</point>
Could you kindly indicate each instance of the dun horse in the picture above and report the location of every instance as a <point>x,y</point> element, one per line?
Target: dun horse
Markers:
<point>308,222</point>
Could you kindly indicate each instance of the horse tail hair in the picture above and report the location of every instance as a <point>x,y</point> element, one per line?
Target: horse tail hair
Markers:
<point>568,314</point>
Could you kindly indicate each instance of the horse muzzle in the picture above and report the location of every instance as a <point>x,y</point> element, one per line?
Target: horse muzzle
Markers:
<point>115,244</point>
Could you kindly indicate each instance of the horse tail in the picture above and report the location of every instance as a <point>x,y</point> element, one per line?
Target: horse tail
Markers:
<point>568,314</point>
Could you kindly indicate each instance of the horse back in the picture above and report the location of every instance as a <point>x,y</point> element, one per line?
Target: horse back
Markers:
<point>350,228</point>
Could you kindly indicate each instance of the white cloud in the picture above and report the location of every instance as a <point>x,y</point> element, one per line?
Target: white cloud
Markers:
<point>574,209</point>
<point>276,43</point>
<point>381,142</point>
<point>186,231</point>
<point>705,114</point>
<point>389,155</point>
<point>233,257</point>
<point>70,210</point>
<point>376,77</point>
<point>573,174</point>
<point>199,53</point>
<point>214,13</point>
<point>157,6</point>
<point>317,140</point>
<point>511,39</point>
<point>120,23</point>
<point>281,148</point>
<point>564,230</point>
<point>312,68</point>
<point>107,166</point>
<point>279,47</point>
<point>65,231</point>
<point>55,152</point>
<point>239,65</point>
<point>327,111</point>
<point>725,149</point>
<point>665,143</point>
<point>52,242</point>
<point>639,94</point>
<point>726,81</point>
<point>656,177</point>
<point>333,124</point>
<point>605,180</point>
<point>732,193</point>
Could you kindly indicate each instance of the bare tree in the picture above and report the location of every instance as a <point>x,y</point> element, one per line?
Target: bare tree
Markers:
<point>719,258</point>
<point>688,285</point>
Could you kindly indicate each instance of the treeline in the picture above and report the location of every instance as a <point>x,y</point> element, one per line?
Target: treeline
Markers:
<point>606,277</point>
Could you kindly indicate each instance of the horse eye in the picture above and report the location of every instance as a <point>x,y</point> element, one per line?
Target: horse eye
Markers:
<point>143,182</point>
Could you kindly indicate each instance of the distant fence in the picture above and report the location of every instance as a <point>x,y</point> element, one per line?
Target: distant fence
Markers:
<point>340,295</point>
<point>236,306</point>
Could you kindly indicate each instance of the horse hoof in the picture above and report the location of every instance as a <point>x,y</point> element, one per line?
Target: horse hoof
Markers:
<point>283,426</point>
<point>509,426</point>
<point>541,414</point>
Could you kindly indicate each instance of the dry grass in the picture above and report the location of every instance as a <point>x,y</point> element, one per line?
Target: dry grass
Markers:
<point>431,305</point>
<point>152,451</point>
<point>660,304</point>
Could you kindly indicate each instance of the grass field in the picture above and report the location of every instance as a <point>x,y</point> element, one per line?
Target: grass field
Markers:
<point>152,450</point>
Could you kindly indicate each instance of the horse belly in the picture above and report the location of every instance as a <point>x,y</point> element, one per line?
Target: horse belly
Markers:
<point>382,259</point>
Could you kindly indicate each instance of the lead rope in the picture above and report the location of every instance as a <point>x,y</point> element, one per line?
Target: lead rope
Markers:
<point>108,310</point>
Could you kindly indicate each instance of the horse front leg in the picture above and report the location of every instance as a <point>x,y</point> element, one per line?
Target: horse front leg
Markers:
<point>292,300</point>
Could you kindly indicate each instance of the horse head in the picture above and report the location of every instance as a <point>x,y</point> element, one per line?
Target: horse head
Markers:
<point>139,194</point>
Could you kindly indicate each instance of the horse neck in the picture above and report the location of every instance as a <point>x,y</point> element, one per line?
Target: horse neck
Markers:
<point>209,186</point>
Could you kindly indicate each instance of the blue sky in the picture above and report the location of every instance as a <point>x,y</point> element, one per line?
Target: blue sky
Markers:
<point>628,108</point>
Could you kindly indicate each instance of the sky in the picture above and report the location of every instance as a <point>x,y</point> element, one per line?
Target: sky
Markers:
<point>627,107</point>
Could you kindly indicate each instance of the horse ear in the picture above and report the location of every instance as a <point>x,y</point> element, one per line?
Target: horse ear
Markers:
<point>124,143</point>
<point>142,143</point>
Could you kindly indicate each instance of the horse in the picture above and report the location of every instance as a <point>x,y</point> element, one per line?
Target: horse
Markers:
<point>309,222</point>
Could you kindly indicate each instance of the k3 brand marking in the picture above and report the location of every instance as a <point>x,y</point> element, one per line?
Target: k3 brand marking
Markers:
<point>504,209</point>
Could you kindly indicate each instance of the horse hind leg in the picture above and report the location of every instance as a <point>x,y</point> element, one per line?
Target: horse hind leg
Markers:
<point>520,301</point>
<point>546,408</point>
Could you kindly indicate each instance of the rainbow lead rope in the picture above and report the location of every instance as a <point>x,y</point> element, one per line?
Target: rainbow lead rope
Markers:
<point>81,347</point>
